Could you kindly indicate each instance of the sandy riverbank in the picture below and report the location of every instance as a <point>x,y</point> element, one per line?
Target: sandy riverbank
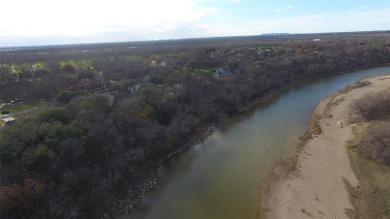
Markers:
<point>315,187</point>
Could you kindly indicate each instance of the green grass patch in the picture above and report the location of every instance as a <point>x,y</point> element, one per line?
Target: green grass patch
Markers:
<point>198,72</point>
<point>23,106</point>
<point>269,47</point>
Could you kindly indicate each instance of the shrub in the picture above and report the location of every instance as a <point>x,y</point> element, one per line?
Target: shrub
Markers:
<point>376,142</point>
<point>147,111</point>
<point>41,155</point>
<point>66,95</point>
<point>22,196</point>
<point>86,74</point>
<point>68,68</point>
<point>54,115</point>
<point>5,112</point>
<point>32,189</point>
<point>10,196</point>
<point>372,105</point>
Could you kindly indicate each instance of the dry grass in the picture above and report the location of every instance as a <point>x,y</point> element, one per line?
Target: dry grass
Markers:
<point>355,85</point>
<point>372,105</point>
<point>372,198</point>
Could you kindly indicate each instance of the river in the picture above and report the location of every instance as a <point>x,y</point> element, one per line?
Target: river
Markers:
<point>220,177</point>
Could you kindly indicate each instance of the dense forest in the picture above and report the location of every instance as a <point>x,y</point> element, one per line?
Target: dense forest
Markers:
<point>116,112</point>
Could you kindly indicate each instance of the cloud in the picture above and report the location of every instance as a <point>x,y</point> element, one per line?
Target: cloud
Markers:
<point>47,22</point>
<point>325,22</point>
<point>88,17</point>
<point>288,7</point>
<point>356,20</point>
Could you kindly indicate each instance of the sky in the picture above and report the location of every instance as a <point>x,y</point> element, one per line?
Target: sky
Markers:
<point>48,22</point>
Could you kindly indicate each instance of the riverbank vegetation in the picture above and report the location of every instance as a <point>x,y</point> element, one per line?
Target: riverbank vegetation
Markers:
<point>121,110</point>
<point>370,156</point>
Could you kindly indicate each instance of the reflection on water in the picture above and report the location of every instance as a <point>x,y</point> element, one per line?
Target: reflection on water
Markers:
<point>220,177</point>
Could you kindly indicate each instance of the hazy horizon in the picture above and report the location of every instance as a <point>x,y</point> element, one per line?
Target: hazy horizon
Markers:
<point>44,22</point>
<point>175,39</point>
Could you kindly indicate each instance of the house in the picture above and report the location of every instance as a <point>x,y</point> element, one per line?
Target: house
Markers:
<point>134,89</point>
<point>8,121</point>
<point>34,68</point>
<point>316,40</point>
<point>222,72</point>
<point>179,89</point>
<point>112,82</point>
<point>153,63</point>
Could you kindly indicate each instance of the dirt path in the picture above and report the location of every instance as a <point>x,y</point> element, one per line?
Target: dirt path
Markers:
<point>316,188</point>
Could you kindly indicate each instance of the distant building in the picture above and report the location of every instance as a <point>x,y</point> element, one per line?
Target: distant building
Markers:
<point>222,72</point>
<point>34,68</point>
<point>153,63</point>
<point>316,40</point>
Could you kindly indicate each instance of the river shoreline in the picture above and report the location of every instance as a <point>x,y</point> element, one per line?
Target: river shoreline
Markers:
<point>151,179</point>
<point>312,182</point>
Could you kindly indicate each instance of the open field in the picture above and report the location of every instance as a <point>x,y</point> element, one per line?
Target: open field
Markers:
<point>23,106</point>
